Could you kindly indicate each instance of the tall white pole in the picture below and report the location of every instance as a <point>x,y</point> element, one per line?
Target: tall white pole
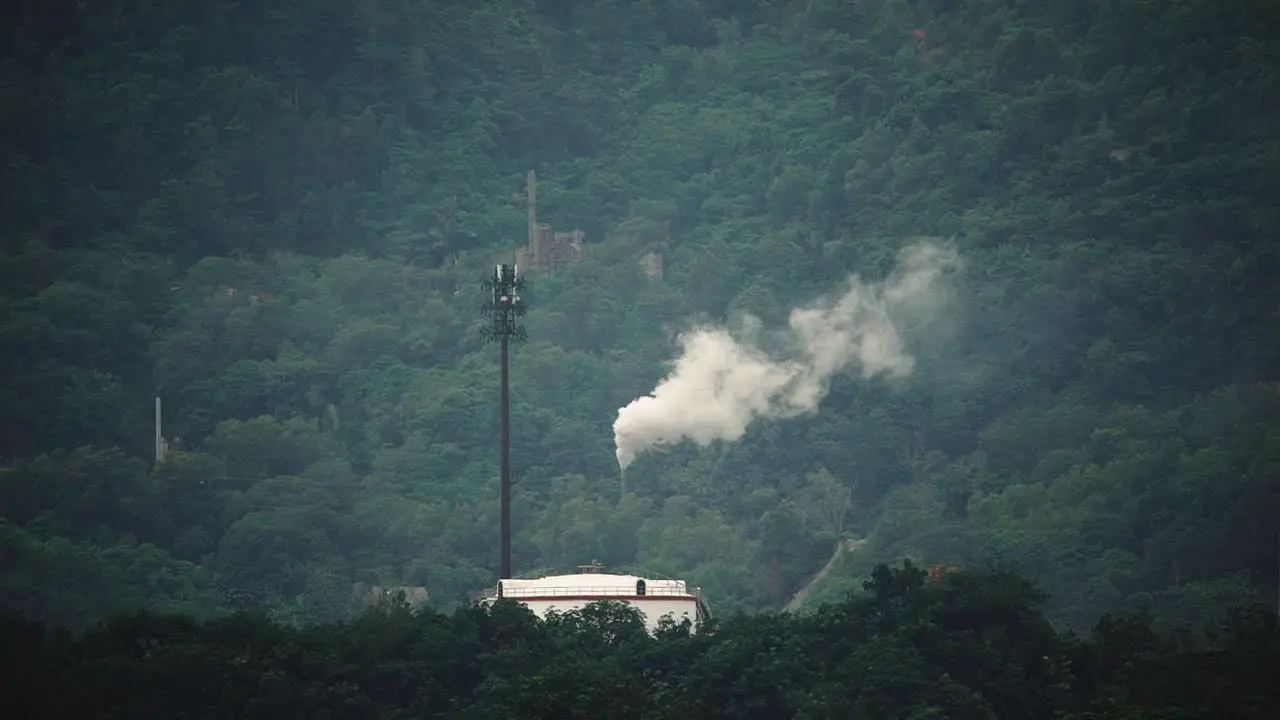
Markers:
<point>159,434</point>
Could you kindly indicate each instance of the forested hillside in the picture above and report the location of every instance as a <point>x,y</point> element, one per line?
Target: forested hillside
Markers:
<point>276,216</point>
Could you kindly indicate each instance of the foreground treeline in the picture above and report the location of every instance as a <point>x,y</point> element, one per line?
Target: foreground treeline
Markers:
<point>962,645</point>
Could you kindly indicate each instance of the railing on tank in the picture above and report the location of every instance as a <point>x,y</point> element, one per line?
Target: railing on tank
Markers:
<point>595,591</point>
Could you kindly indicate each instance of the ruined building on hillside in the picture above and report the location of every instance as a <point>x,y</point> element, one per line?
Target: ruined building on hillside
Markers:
<point>651,262</point>
<point>546,250</point>
<point>366,596</point>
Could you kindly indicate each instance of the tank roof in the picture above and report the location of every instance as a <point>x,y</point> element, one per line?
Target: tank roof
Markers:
<point>592,583</point>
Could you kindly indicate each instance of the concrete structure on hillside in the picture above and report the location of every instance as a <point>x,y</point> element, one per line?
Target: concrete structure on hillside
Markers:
<point>546,250</point>
<point>653,261</point>
<point>367,596</point>
<point>655,598</point>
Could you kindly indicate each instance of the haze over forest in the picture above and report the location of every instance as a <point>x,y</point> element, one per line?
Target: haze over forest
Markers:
<point>276,217</point>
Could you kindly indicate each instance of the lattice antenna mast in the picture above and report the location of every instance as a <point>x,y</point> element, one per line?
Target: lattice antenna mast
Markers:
<point>504,310</point>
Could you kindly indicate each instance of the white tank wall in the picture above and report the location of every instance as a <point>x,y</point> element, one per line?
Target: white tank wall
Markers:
<point>652,608</point>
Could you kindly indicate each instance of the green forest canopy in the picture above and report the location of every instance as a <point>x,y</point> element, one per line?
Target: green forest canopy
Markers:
<point>275,216</point>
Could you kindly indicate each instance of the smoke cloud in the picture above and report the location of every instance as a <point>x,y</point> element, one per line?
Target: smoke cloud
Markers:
<point>721,383</point>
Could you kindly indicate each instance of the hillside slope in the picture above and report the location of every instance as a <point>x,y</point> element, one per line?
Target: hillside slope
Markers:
<point>277,220</point>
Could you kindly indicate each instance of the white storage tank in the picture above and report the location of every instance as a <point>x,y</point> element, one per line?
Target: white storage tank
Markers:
<point>654,597</point>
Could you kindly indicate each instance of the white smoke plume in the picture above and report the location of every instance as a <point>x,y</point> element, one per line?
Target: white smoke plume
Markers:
<point>721,383</point>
